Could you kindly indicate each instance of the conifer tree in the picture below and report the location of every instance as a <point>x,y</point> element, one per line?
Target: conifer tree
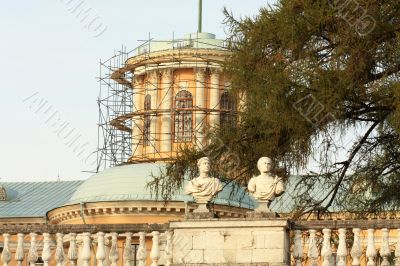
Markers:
<point>317,82</point>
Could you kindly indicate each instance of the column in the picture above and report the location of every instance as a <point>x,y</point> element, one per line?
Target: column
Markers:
<point>200,116</point>
<point>137,127</point>
<point>214,97</point>
<point>167,99</point>
<point>152,84</point>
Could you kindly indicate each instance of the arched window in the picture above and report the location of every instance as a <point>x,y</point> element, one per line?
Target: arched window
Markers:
<point>183,119</point>
<point>228,106</point>
<point>146,126</point>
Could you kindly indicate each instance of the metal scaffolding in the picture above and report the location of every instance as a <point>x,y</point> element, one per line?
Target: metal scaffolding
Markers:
<point>124,123</point>
<point>114,100</point>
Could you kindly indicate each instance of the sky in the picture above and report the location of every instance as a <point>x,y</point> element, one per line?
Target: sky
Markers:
<point>50,52</point>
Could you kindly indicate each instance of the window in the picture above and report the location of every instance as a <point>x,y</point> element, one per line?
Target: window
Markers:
<point>3,193</point>
<point>227,104</point>
<point>183,119</point>
<point>146,126</point>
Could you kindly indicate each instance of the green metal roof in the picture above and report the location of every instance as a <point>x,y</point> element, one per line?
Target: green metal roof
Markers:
<point>35,199</point>
<point>129,182</point>
<point>121,183</point>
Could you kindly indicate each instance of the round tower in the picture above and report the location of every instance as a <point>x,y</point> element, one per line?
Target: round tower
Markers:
<point>178,92</point>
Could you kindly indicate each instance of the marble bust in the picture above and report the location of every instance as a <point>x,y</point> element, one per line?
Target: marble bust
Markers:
<point>266,186</point>
<point>203,188</point>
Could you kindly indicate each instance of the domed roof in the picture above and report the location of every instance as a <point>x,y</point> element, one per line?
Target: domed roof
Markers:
<point>129,182</point>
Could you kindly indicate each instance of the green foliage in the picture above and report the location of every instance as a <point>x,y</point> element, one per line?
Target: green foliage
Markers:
<point>309,73</point>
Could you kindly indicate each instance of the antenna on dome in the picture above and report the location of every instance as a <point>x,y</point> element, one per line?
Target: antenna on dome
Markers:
<point>200,21</point>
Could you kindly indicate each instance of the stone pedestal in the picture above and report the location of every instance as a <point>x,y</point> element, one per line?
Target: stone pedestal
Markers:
<point>263,206</point>
<point>201,212</point>
<point>201,208</point>
<point>231,242</point>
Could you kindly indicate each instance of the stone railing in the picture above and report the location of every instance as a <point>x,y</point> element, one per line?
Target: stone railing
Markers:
<point>227,242</point>
<point>356,242</point>
<point>46,244</point>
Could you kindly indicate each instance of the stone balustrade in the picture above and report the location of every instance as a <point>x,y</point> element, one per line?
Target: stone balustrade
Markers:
<point>86,245</point>
<point>362,242</point>
<point>226,242</point>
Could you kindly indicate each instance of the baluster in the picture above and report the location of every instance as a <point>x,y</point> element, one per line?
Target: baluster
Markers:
<point>101,250</point>
<point>73,250</point>
<point>33,255</point>
<point>326,251</point>
<point>342,249</point>
<point>113,255</point>
<point>168,249</point>
<point>371,251</point>
<point>19,253</point>
<point>356,251</point>
<point>85,254</point>
<point>128,249</point>
<point>60,255</point>
<point>46,252</point>
<point>141,252</point>
<point>155,248</point>
<point>298,248</point>
<point>385,249</point>
<point>397,251</point>
<point>6,254</point>
<point>312,248</point>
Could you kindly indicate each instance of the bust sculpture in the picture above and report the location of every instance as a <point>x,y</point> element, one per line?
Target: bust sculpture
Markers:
<point>203,188</point>
<point>266,186</point>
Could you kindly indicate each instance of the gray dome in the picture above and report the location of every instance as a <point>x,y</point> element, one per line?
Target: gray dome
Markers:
<point>128,182</point>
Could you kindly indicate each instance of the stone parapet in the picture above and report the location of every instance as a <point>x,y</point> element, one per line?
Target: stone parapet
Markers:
<point>231,242</point>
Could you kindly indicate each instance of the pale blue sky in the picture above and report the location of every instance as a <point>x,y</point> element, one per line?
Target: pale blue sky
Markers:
<point>45,49</point>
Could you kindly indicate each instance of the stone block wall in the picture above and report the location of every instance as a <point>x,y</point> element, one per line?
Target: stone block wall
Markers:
<point>231,242</point>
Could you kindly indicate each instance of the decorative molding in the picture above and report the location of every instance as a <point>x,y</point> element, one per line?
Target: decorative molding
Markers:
<point>200,73</point>
<point>167,73</point>
<point>132,208</point>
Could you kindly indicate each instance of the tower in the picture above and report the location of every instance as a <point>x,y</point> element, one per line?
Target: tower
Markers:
<point>177,91</point>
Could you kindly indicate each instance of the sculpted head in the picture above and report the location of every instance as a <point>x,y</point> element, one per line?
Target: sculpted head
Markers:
<point>264,164</point>
<point>204,165</point>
